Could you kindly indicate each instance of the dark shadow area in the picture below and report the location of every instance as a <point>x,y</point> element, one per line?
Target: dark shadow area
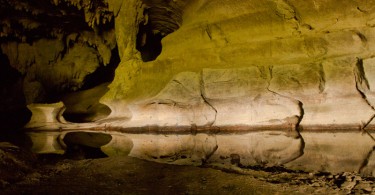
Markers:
<point>84,145</point>
<point>8,74</point>
<point>148,42</point>
<point>88,117</point>
<point>13,118</point>
<point>17,137</point>
<point>103,74</point>
<point>13,111</point>
<point>79,152</point>
<point>83,105</point>
<point>46,16</point>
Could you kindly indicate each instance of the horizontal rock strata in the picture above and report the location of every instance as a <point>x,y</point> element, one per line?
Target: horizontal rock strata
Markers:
<point>242,83</point>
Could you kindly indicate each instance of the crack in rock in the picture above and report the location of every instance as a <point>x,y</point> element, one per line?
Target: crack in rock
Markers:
<point>362,10</point>
<point>366,160</point>
<point>322,78</point>
<point>362,86</point>
<point>288,12</point>
<point>206,101</point>
<point>208,155</point>
<point>300,104</point>
<point>213,108</point>
<point>296,127</point>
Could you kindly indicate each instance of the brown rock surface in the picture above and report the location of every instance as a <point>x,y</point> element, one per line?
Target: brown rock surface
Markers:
<point>247,82</point>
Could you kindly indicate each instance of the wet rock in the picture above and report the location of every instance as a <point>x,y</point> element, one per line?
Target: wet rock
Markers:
<point>174,149</point>
<point>235,83</point>
<point>266,149</point>
<point>326,149</point>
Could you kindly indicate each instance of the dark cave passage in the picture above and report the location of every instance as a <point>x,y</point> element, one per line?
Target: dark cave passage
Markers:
<point>103,74</point>
<point>148,42</point>
<point>158,23</point>
<point>13,111</point>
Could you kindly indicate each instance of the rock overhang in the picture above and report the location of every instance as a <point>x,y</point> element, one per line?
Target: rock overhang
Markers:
<point>240,79</point>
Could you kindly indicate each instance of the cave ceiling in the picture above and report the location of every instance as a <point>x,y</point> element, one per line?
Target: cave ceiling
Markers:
<point>65,23</point>
<point>29,20</point>
<point>52,48</point>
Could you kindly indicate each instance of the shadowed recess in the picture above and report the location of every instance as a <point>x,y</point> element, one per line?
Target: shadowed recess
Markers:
<point>81,145</point>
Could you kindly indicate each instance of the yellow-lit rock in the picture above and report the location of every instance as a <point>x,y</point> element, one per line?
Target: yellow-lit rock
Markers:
<point>241,82</point>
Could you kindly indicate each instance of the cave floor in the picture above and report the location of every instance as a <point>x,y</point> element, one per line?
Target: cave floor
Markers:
<point>127,175</point>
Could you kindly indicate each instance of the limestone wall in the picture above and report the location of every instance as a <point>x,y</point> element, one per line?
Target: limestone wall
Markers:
<point>253,64</point>
<point>302,69</point>
<point>243,82</point>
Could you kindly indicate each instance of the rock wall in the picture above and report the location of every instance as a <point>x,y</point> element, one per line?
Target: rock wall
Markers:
<point>57,48</point>
<point>275,82</point>
<point>299,68</point>
<point>259,64</point>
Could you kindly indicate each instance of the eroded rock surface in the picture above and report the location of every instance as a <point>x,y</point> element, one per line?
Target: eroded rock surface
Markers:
<point>231,82</point>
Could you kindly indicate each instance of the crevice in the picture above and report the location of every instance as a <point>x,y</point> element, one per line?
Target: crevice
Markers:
<point>366,160</point>
<point>287,11</point>
<point>206,101</point>
<point>297,128</point>
<point>362,10</point>
<point>369,134</point>
<point>208,156</point>
<point>213,108</point>
<point>179,83</point>
<point>363,128</point>
<point>322,79</point>
<point>208,32</point>
<point>362,86</point>
<point>119,10</point>
<point>362,37</point>
<point>302,114</point>
<point>215,33</point>
<point>300,104</point>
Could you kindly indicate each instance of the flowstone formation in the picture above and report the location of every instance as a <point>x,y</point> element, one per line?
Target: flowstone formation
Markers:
<point>270,83</point>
